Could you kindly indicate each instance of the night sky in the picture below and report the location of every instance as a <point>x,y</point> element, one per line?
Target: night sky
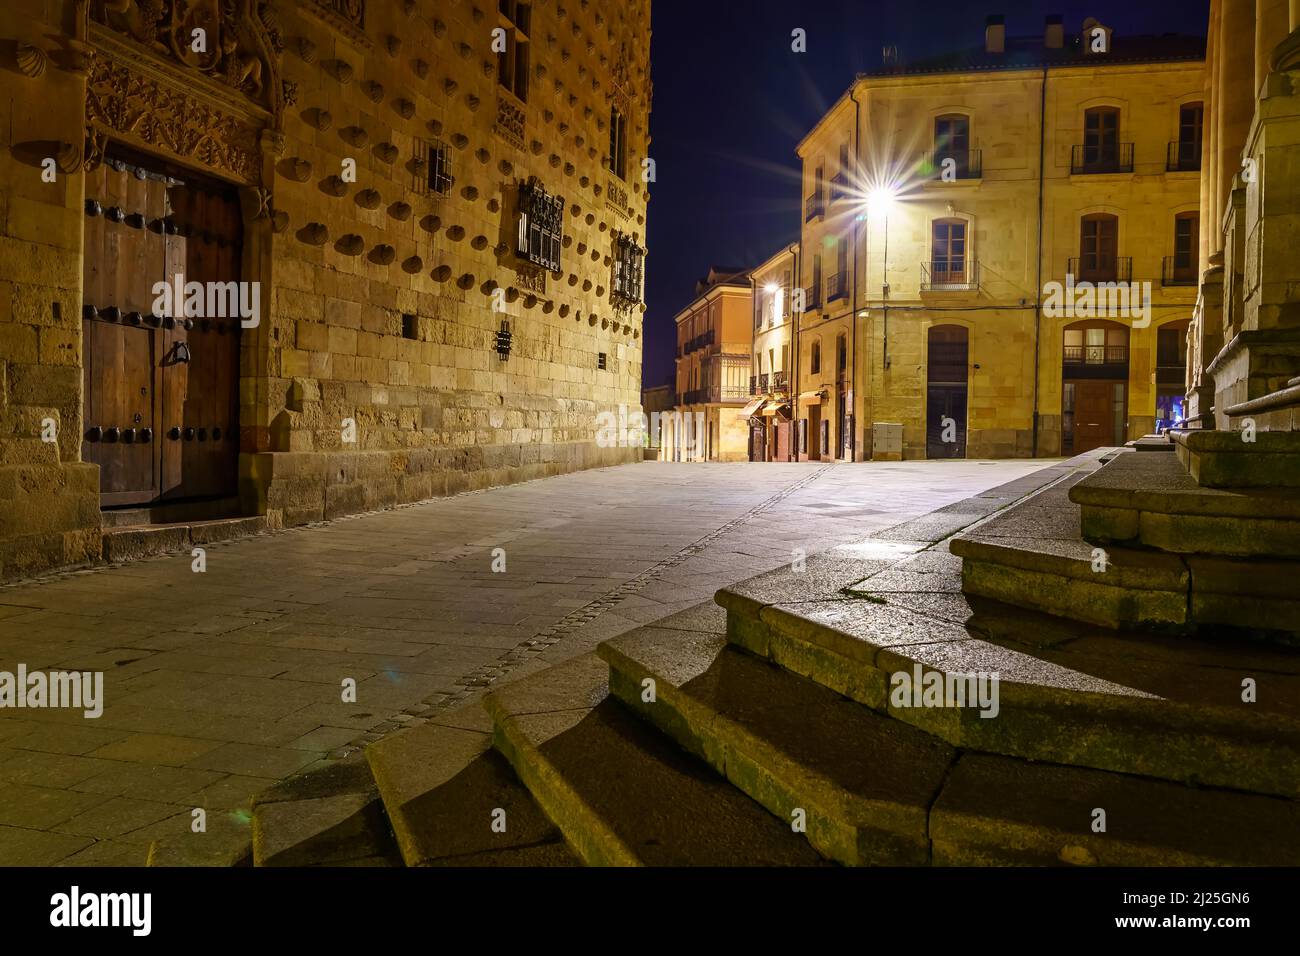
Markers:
<point>731,101</point>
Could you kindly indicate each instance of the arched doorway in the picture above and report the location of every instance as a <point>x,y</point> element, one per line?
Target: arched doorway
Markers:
<point>947,374</point>
<point>1171,374</point>
<point>1094,385</point>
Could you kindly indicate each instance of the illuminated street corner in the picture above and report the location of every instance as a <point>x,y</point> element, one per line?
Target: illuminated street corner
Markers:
<point>381,485</point>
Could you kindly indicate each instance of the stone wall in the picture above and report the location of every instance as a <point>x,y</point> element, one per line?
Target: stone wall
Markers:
<point>49,500</point>
<point>376,374</point>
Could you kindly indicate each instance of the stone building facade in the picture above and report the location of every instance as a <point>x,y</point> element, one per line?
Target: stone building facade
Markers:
<point>713,366</point>
<point>770,411</point>
<point>439,208</point>
<point>1245,337</point>
<point>950,209</point>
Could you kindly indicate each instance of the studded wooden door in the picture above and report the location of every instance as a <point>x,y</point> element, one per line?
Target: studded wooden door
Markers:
<point>161,377</point>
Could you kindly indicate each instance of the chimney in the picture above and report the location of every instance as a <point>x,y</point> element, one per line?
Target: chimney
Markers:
<point>1054,37</point>
<point>995,34</point>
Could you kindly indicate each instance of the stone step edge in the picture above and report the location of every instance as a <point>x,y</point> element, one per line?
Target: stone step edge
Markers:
<point>834,817</point>
<point>587,833</point>
<point>132,542</point>
<point>338,825</point>
<point>1004,573</point>
<point>1142,722</point>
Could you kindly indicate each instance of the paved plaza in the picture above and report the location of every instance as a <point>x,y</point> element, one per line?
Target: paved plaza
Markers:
<point>221,683</point>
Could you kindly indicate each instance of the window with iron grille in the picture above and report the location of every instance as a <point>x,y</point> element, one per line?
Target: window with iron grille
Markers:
<point>601,360</point>
<point>541,222</point>
<point>629,262</point>
<point>439,165</point>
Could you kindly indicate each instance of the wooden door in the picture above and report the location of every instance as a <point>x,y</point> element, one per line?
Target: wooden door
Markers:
<point>123,258</point>
<point>201,352</point>
<point>1093,416</point>
<point>161,387</point>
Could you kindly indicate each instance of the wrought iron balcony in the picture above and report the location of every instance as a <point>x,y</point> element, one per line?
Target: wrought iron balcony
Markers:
<point>1117,269</point>
<point>1183,157</point>
<point>779,382</point>
<point>1172,272</point>
<point>1095,355</point>
<point>814,206</point>
<point>837,286</point>
<point>839,186</point>
<point>966,164</point>
<point>1093,158</point>
<point>954,274</point>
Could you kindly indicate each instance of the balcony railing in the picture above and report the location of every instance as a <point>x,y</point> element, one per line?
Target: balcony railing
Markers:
<point>813,299</point>
<point>1088,159</point>
<point>837,286</point>
<point>716,395</point>
<point>839,187</point>
<point>814,206</point>
<point>769,383</point>
<point>950,275</point>
<point>1118,269</point>
<point>1174,273</point>
<point>966,164</point>
<point>1183,157</point>
<point>1095,355</point>
<point>703,340</point>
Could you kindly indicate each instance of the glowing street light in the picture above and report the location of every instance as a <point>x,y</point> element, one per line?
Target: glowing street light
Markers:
<point>880,200</point>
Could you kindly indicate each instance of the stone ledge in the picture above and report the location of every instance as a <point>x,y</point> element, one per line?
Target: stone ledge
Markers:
<point>863,781</point>
<point>1052,707</point>
<point>621,794</point>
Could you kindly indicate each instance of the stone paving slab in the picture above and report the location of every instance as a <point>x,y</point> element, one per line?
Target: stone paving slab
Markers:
<point>219,684</point>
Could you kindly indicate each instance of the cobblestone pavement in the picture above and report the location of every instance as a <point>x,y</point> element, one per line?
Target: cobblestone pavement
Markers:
<point>218,684</point>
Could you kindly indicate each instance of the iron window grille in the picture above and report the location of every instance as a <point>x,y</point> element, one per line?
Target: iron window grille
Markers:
<point>541,223</point>
<point>629,264</point>
<point>440,176</point>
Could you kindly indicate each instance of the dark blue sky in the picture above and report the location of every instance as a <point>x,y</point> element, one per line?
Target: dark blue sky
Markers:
<point>731,101</point>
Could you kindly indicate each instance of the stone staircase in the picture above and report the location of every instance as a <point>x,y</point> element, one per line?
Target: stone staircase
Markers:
<point>767,728</point>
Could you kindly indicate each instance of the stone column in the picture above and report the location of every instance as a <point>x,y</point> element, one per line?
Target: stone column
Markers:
<point>1293,18</point>
<point>1270,30</point>
<point>1235,100</point>
<point>1209,142</point>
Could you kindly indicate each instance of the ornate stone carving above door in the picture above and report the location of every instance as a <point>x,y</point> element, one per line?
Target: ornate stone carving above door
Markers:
<point>133,106</point>
<point>236,42</point>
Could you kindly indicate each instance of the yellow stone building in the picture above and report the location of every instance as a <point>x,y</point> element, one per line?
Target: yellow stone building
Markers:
<point>429,213</point>
<point>973,228</point>
<point>770,411</point>
<point>714,342</point>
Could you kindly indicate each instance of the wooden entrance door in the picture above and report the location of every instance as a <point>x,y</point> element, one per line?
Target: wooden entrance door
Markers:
<point>1093,416</point>
<point>161,386</point>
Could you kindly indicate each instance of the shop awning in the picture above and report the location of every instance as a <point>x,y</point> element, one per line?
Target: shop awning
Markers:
<point>749,410</point>
<point>810,398</point>
<point>776,408</point>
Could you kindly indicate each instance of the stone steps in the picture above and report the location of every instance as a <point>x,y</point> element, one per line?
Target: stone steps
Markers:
<point>1033,555</point>
<point>132,542</point>
<point>621,793</point>
<point>875,790</point>
<point>863,782</point>
<point>1225,459</point>
<point>1069,706</point>
<point>453,801</point>
<point>1151,501</point>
